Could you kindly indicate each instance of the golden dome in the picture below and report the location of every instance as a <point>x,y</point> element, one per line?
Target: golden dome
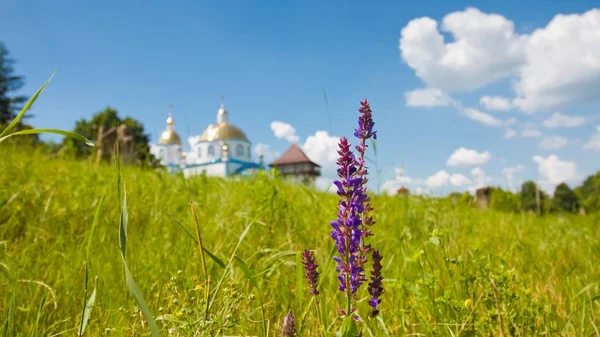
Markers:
<point>169,137</point>
<point>223,131</point>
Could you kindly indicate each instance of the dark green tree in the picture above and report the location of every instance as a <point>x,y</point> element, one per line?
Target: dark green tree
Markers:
<point>565,199</point>
<point>10,104</point>
<point>589,193</point>
<point>505,201</point>
<point>528,197</point>
<point>108,118</point>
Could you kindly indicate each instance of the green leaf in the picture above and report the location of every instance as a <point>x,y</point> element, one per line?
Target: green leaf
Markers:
<point>211,255</point>
<point>131,285</point>
<point>251,277</point>
<point>55,131</point>
<point>25,108</point>
<point>87,311</point>
<point>123,224</point>
<point>348,328</point>
<point>435,240</point>
<point>299,279</point>
<point>139,298</point>
<point>246,270</point>
<point>87,307</point>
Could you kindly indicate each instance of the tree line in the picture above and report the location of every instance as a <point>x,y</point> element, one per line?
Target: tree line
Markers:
<point>530,198</point>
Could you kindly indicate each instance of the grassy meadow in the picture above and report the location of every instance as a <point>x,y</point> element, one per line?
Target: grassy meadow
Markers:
<point>450,269</point>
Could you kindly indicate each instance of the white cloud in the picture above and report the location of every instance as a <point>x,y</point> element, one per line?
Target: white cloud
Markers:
<point>559,120</point>
<point>322,149</point>
<point>510,173</point>
<point>562,63</point>
<point>438,180</point>
<point>485,49</point>
<point>481,179</point>
<point>510,133</point>
<point>553,142</point>
<point>554,66</point>
<point>460,180</point>
<point>400,179</point>
<point>265,150</point>
<point>555,171</point>
<point>482,117</point>
<point>594,142</point>
<point>427,97</point>
<point>496,103</point>
<point>463,156</point>
<point>284,131</point>
<point>531,133</point>
<point>510,121</point>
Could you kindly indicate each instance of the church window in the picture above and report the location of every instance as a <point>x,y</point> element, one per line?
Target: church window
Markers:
<point>161,153</point>
<point>248,153</point>
<point>239,150</point>
<point>199,152</point>
<point>211,151</point>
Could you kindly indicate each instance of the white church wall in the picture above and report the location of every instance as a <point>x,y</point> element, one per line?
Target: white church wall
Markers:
<point>217,169</point>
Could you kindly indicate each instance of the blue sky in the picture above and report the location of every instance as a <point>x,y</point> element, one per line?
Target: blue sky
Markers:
<point>272,60</point>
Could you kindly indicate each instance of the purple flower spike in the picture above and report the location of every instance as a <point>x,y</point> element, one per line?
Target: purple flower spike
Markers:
<point>376,286</point>
<point>347,232</point>
<point>310,267</point>
<point>288,328</point>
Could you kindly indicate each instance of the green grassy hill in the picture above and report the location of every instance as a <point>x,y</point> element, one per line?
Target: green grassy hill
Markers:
<point>450,270</point>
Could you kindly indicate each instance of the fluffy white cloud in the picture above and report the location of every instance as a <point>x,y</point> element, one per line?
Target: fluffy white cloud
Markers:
<point>556,65</point>
<point>555,171</point>
<point>482,117</point>
<point>438,180</point>
<point>322,149</point>
<point>485,49</point>
<point>553,142</point>
<point>510,173</point>
<point>284,131</point>
<point>401,179</point>
<point>460,180</point>
<point>594,142</point>
<point>427,97</point>
<point>481,179</point>
<point>463,156</point>
<point>559,120</point>
<point>531,133</point>
<point>510,133</point>
<point>496,103</point>
<point>265,151</point>
<point>562,63</point>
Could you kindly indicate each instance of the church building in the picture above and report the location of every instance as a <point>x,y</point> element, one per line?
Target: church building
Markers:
<point>221,150</point>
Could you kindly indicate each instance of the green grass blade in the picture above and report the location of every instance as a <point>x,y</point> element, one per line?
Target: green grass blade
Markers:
<point>26,107</point>
<point>239,243</point>
<point>87,311</point>
<point>211,255</point>
<point>123,224</point>
<point>87,308</point>
<point>250,275</point>
<point>55,131</point>
<point>139,298</point>
<point>131,285</point>
<point>299,279</point>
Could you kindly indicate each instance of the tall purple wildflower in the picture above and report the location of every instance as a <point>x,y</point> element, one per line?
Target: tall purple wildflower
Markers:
<point>347,228</point>
<point>351,227</point>
<point>363,133</point>
<point>376,286</point>
<point>310,268</point>
<point>288,328</point>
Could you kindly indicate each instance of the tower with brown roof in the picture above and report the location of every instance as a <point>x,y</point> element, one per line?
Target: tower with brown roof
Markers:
<point>295,164</point>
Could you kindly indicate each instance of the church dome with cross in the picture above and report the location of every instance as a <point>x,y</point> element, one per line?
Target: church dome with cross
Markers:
<point>222,149</point>
<point>223,130</point>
